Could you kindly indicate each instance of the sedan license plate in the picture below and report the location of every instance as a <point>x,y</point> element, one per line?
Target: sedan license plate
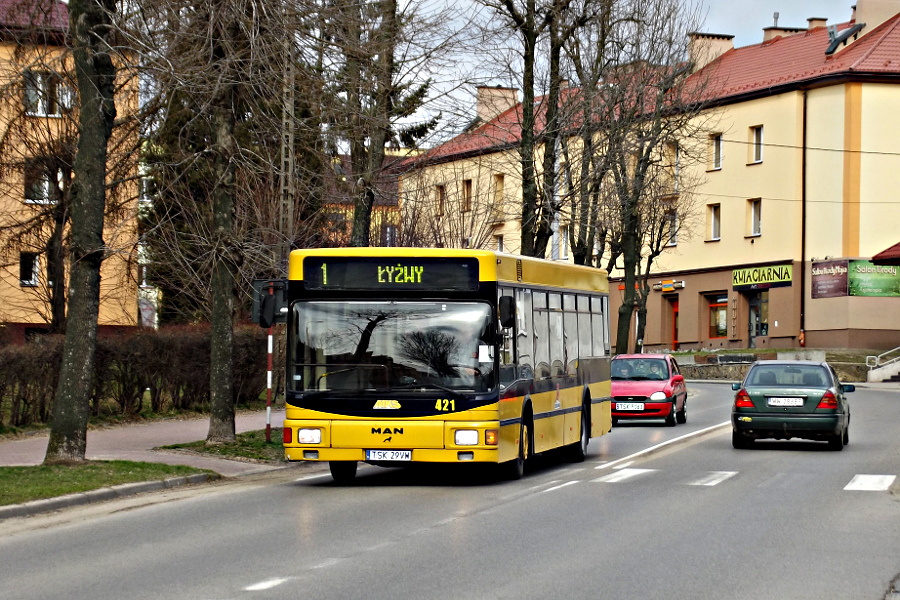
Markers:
<point>388,454</point>
<point>785,401</point>
<point>629,406</point>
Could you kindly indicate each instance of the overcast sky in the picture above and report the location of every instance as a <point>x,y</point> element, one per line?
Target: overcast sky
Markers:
<point>746,20</point>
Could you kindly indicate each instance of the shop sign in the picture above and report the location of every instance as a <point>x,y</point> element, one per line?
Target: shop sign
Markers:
<point>838,278</point>
<point>762,278</point>
<point>829,279</point>
<point>868,279</point>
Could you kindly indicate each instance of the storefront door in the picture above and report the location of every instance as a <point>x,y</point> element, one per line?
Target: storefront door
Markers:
<point>759,315</point>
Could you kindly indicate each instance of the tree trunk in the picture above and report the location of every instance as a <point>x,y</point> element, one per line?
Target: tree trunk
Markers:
<point>221,418</point>
<point>89,22</point>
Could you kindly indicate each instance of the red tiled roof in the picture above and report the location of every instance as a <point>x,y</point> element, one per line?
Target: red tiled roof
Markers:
<point>30,14</point>
<point>800,58</point>
<point>783,62</point>
<point>889,256</point>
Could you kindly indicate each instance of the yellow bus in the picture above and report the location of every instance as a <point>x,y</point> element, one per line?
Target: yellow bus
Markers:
<point>406,355</point>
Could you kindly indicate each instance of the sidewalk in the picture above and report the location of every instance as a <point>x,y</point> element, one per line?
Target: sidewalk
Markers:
<point>136,443</point>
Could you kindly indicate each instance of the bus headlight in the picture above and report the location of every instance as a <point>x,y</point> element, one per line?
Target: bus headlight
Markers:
<point>466,437</point>
<point>309,436</point>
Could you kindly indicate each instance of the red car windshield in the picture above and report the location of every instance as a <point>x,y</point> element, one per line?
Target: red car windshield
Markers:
<point>635,369</point>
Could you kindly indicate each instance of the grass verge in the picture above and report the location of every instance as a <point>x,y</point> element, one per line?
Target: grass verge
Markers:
<point>23,484</point>
<point>250,445</point>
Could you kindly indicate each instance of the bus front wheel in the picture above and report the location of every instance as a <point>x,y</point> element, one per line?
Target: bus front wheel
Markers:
<point>515,468</point>
<point>342,471</point>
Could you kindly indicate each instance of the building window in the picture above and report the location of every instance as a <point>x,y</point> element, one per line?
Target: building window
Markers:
<point>29,269</point>
<point>498,241</point>
<point>388,235</point>
<point>756,144</point>
<point>465,242</point>
<point>715,157</point>
<point>45,95</point>
<point>671,226</point>
<point>714,222</point>
<point>673,153</point>
<point>37,183</point>
<point>467,195</point>
<point>440,193</point>
<point>564,242</point>
<point>718,315</point>
<point>754,209</point>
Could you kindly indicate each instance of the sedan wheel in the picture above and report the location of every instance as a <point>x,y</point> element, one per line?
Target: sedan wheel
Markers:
<point>739,441</point>
<point>836,442</point>
<point>671,420</point>
<point>681,416</point>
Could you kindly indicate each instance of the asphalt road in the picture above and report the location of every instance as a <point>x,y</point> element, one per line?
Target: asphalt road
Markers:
<point>641,518</point>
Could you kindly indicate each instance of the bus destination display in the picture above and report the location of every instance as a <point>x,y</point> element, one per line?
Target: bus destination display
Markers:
<point>401,273</point>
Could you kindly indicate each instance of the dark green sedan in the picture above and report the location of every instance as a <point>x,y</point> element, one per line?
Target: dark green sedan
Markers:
<point>784,399</point>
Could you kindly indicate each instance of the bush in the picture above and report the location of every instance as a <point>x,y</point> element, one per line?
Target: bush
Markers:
<point>169,368</point>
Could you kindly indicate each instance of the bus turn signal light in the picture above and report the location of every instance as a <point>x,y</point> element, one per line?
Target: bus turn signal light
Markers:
<point>490,437</point>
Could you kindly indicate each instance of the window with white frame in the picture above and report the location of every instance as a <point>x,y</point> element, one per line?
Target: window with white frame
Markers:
<point>498,241</point>
<point>564,242</point>
<point>45,94</point>
<point>754,216</point>
<point>29,269</point>
<point>714,221</point>
<point>715,149</point>
<point>37,183</point>
<point>671,225</point>
<point>756,144</point>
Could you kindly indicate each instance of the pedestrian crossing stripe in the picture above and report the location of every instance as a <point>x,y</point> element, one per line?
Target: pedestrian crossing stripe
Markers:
<point>871,483</point>
<point>868,483</point>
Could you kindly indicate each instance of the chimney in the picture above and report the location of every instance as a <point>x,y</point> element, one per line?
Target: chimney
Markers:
<point>707,47</point>
<point>816,22</point>
<point>492,101</point>
<point>770,33</point>
<point>873,13</point>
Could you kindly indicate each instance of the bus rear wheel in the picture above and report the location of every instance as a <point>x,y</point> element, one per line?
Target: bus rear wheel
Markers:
<point>342,471</point>
<point>576,452</point>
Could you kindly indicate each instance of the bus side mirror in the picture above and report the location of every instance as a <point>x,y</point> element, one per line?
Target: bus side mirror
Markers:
<point>266,311</point>
<point>507,311</point>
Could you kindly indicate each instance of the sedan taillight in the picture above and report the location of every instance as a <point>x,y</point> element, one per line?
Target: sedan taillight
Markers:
<point>742,400</point>
<point>828,401</point>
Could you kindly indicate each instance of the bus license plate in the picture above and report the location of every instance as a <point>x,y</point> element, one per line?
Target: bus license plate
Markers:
<point>388,454</point>
<point>629,406</point>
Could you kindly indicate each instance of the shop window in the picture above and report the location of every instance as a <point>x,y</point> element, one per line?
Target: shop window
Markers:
<point>718,315</point>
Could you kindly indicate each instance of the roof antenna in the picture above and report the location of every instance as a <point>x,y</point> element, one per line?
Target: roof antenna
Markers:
<point>775,16</point>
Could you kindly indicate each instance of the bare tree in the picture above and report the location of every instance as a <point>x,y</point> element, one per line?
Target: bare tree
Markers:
<point>89,23</point>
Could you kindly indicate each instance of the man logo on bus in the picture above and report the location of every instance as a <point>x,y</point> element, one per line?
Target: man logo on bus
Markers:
<point>388,430</point>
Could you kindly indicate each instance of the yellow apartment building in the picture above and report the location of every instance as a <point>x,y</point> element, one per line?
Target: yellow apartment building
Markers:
<point>796,197</point>
<point>38,133</point>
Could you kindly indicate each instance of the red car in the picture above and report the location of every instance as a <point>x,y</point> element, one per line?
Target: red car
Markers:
<point>648,386</point>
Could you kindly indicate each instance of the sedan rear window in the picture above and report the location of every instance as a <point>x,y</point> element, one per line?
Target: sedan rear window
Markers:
<point>789,375</point>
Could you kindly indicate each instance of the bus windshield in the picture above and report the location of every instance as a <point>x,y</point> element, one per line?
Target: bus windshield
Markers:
<point>392,345</point>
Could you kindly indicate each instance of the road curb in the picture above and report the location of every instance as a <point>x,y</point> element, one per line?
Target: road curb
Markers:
<point>99,495</point>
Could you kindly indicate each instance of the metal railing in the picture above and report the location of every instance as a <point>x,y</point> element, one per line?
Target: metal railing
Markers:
<point>873,362</point>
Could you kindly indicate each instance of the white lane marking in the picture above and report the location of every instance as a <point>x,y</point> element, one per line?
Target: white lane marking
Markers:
<point>266,585</point>
<point>556,487</point>
<point>623,465</point>
<point>871,483</point>
<point>631,457</point>
<point>714,478</point>
<point>622,475</point>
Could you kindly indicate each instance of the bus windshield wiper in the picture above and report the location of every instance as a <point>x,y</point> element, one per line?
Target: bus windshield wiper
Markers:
<point>425,386</point>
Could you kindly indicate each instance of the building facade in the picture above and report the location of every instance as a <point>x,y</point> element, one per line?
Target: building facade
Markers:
<point>796,195</point>
<point>38,138</point>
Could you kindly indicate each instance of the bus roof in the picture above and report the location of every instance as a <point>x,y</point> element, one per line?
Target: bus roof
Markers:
<point>493,266</point>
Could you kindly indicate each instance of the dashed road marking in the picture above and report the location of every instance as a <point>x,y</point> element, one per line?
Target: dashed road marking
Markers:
<point>622,475</point>
<point>714,478</point>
